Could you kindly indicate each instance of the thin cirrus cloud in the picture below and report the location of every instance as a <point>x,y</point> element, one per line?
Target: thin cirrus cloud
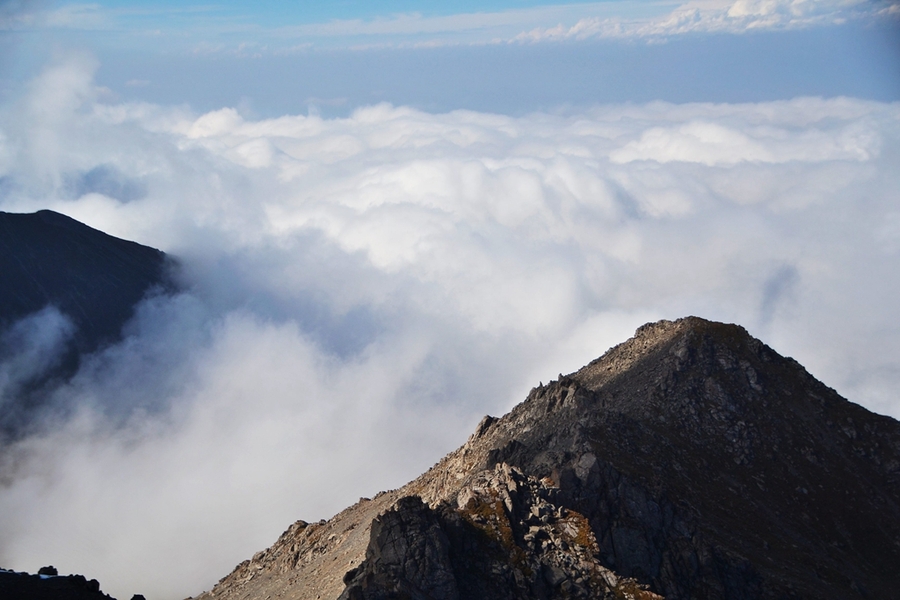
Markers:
<point>587,21</point>
<point>277,30</point>
<point>359,291</point>
<point>717,16</point>
<point>33,15</point>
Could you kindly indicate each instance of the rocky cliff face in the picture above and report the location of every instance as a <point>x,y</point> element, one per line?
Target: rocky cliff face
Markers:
<point>506,536</point>
<point>691,461</point>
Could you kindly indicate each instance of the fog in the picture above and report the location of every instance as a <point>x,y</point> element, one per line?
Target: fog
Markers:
<point>358,292</point>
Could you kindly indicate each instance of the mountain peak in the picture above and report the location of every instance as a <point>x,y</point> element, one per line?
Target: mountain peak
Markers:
<point>653,340</point>
<point>691,461</point>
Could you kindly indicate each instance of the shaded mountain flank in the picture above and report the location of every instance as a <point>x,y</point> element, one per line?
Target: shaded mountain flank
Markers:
<point>48,584</point>
<point>52,263</point>
<point>690,462</point>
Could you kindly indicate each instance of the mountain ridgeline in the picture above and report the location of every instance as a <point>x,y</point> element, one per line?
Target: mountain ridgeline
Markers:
<point>690,462</point>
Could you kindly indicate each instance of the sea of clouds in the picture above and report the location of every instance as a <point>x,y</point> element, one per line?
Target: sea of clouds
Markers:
<point>359,291</point>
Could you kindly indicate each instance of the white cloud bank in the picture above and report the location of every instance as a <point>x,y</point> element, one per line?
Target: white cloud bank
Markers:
<point>362,290</point>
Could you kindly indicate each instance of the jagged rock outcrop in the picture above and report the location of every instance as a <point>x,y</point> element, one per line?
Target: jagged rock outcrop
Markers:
<point>505,537</point>
<point>691,461</point>
<point>94,279</point>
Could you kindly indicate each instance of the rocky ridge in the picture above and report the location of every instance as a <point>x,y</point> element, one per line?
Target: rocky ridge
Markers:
<point>691,461</point>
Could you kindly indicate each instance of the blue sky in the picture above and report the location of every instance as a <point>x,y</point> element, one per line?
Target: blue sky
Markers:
<point>510,57</point>
<point>307,12</point>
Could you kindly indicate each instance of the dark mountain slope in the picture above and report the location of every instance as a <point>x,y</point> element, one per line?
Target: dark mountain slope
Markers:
<point>94,279</point>
<point>710,466</point>
<point>692,460</point>
<point>48,585</point>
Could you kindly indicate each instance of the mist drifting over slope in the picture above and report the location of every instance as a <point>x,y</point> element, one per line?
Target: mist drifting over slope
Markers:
<point>360,291</point>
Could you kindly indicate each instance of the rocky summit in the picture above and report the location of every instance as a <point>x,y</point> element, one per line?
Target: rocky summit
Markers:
<point>690,462</point>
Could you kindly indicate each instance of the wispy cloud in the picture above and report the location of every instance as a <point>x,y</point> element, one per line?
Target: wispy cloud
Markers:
<point>611,20</point>
<point>490,23</point>
<point>717,16</point>
<point>213,27</point>
<point>37,15</point>
<point>15,14</point>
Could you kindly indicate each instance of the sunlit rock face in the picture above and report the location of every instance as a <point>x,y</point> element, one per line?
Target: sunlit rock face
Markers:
<point>692,461</point>
<point>67,290</point>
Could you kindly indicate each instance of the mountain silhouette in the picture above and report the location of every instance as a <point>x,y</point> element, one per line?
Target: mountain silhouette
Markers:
<point>47,584</point>
<point>74,287</point>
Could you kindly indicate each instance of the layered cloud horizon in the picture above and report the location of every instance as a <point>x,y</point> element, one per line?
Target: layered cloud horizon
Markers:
<point>360,288</point>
